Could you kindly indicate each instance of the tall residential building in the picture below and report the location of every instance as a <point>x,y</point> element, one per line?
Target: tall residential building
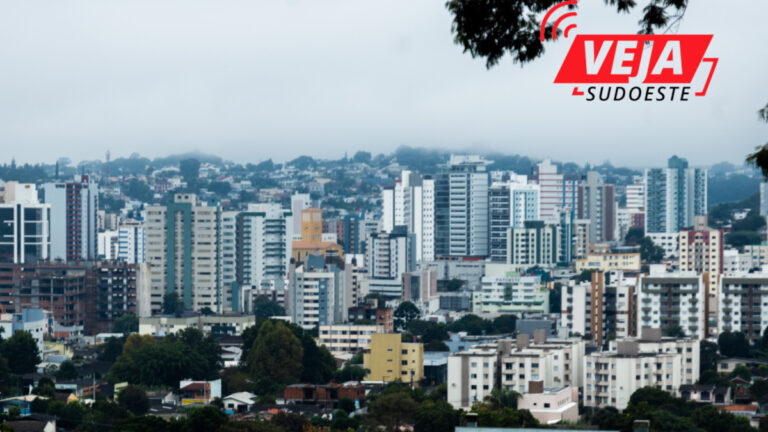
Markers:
<point>701,252</point>
<point>131,237</point>
<point>636,196</point>
<point>674,196</point>
<point>461,208</point>
<point>601,309</point>
<point>595,201</point>
<point>264,246</point>
<point>666,300</point>
<point>743,304</point>
<point>319,291</point>
<point>191,250</point>
<point>510,204</point>
<point>536,244</point>
<point>83,297</point>
<point>573,237</point>
<point>74,207</point>
<point>411,204</point>
<point>106,246</point>
<point>557,193</point>
<point>764,199</point>
<point>389,256</point>
<point>24,225</point>
<point>299,202</point>
<point>312,224</point>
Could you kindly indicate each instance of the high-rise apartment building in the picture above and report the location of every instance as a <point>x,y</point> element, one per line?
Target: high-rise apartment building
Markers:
<point>131,236</point>
<point>389,256</point>
<point>557,193</point>
<point>595,201</point>
<point>636,196</point>
<point>191,250</point>
<point>74,207</point>
<point>602,308</point>
<point>742,307</point>
<point>667,300</point>
<point>411,204</point>
<point>299,202</point>
<point>536,244</point>
<point>24,225</point>
<point>701,252</point>
<point>264,246</point>
<point>461,208</point>
<point>674,196</point>
<point>510,204</point>
<point>319,291</point>
<point>312,224</point>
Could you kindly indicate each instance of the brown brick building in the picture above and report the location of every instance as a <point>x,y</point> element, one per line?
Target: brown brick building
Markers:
<point>89,294</point>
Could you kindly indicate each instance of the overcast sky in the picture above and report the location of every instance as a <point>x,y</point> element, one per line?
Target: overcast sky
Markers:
<point>254,79</point>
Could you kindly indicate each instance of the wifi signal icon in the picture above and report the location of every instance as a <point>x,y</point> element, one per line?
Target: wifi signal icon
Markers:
<point>559,21</point>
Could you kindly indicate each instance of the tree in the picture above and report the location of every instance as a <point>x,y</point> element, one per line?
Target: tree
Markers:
<point>742,372</point>
<point>454,285</point>
<point>205,419</point>
<point>275,357</point>
<point>502,397</point>
<point>650,252</point>
<point>318,364</point>
<point>362,157</point>
<point>111,349</point>
<point>126,324</point>
<point>708,356</point>
<point>674,330</point>
<point>349,373</point>
<point>347,405</point>
<point>21,352</point>
<point>404,314</point>
<point>392,410</point>
<point>435,417</point>
<point>134,399</point>
<point>505,323</point>
<point>67,370</point>
<point>471,324</point>
<point>733,344</point>
<point>759,158</point>
<point>141,424</point>
<point>263,307</point>
<point>490,29</point>
<point>204,345</point>
<point>634,236</point>
<point>172,304</point>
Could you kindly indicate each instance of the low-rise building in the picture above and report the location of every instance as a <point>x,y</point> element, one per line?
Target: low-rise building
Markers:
<point>611,261</point>
<point>550,405</point>
<point>504,290</point>
<point>652,341</point>
<point>389,359</point>
<point>512,364</point>
<point>610,377</point>
<point>232,324</point>
<point>347,338</point>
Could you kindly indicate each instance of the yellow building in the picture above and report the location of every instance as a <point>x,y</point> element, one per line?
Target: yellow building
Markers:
<point>312,224</point>
<point>389,359</point>
<point>605,262</point>
<point>304,248</point>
